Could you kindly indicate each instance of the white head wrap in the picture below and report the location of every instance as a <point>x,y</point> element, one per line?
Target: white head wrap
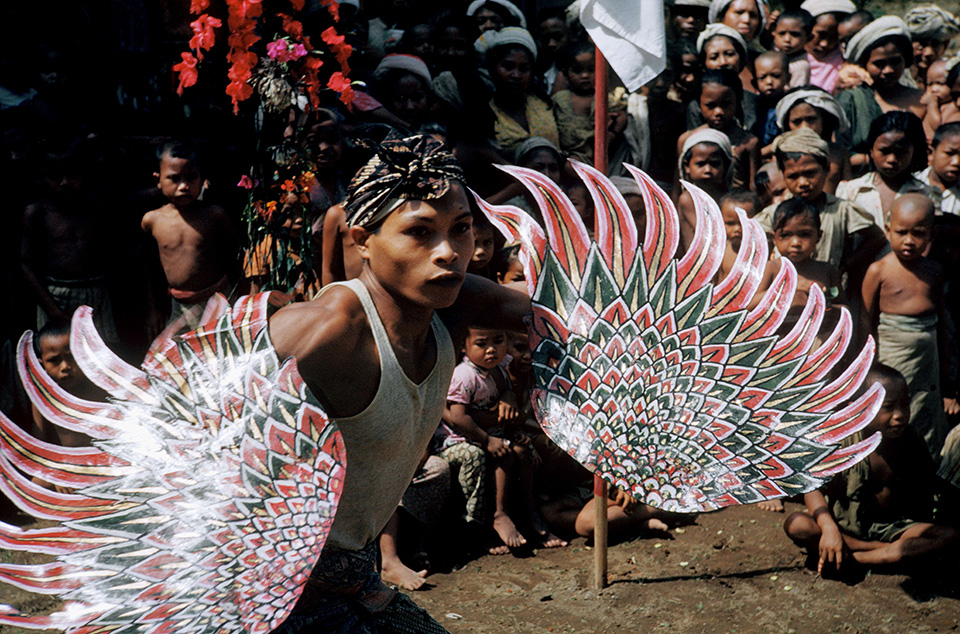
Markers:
<point>819,7</point>
<point>730,33</point>
<point>931,22</point>
<point>531,144</point>
<point>409,63</point>
<point>707,135</point>
<point>626,185</point>
<point>506,4</point>
<point>506,35</point>
<point>816,98</point>
<point>703,4</point>
<point>719,7</point>
<point>801,141</point>
<point>866,37</point>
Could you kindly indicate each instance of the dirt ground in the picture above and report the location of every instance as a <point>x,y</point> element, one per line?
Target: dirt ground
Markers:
<point>732,571</point>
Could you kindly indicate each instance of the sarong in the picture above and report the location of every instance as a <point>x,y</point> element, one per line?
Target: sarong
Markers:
<point>426,494</point>
<point>72,294</point>
<point>345,595</point>
<point>190,304</point>
<point>908,344</point>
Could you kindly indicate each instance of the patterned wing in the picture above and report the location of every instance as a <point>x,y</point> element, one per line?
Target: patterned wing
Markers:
<point>206,498</point>
<point>665,383</point>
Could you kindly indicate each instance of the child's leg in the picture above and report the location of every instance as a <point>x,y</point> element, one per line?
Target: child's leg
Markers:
<point>920,540</point>
<point>470,463</point>
<point>502,523</point>
<point>524,468</point>
<point>619,522</point>
<point>392,570</point>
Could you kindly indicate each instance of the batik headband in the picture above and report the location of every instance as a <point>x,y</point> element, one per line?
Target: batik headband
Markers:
<point>413,168</point>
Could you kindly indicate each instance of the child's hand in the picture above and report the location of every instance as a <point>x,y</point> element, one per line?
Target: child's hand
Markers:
<point>951,406</point>
<point>832,548</point>
<point>497,447</point>
<point>507,411</point>
<point>624,500</point>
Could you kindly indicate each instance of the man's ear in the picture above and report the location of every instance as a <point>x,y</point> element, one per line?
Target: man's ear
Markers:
<point>360,237</point>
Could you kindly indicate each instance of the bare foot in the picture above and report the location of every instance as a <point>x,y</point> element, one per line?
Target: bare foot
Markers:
<point>396,573</point>
<point>547,539</point>
<point>774,506</point>
<point>507,531</point>
<point>653,524</point>
<point>499,549</point>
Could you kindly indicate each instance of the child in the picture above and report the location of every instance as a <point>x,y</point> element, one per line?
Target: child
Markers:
<point>937,98</point>
<point>483,249</point>
<point>686,71</point>
<point>771,77</point>
<point>791,33</point>
<point>796,231</point>
<point>897,149</point>
<point>403,87</point>
<point>943,174</point>
<point>769,184</point>
<point>877,512</point>
<point>722,48</point>
<point>64,252</point>
<point>903,296</point>
<point>813,108</point>
<point>720,97</point>
<point>574,107</point>
<point>582,201</point>
<point>628,188</point>
<point>883,49</point>
<point>737,199</point>
<point>706,160</point>
<point>482,409</point>
<point>823,49</point>
<point>802,157</point>
<point>197,243</point>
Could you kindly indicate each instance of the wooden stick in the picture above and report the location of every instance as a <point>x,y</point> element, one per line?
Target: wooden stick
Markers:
<point>599,485</point>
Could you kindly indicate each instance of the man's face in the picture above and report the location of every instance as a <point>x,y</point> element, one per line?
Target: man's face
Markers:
<point>420,253</point>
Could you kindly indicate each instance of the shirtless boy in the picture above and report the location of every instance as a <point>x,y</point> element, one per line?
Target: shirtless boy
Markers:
<point>876,513</point>
<point>903,296</point>
<point>729,203</point>
<point>197,242</point>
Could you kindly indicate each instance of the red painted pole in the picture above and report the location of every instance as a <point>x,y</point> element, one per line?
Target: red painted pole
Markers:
<point>599,484</point>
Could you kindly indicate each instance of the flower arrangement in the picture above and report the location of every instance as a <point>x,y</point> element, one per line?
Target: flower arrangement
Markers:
<point>291,66</point>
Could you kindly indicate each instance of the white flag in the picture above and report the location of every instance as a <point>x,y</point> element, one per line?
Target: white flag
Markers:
<point>630,35</point>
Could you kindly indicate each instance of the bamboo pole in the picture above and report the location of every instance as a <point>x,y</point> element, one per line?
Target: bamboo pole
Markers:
<point>599,484</point>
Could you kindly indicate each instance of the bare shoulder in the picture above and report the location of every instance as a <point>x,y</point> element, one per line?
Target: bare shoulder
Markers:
<point>330,327</point>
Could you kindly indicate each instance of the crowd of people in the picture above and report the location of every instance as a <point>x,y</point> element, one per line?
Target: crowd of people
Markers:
<point>837,130</point>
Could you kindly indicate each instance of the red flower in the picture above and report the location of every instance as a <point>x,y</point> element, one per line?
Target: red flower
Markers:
<point>339,82</point>
<point>297,5</point>
<point>293,28</point>
<point>198,6</point>
<point>239,91</point>
<point>188,71</point>
<point>203,33</point>
<point>332,39</point>
<point>333,7</point>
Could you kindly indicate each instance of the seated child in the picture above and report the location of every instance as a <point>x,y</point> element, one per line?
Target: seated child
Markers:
<point>706,160</point>
<point>737,199</point>
<point>802,157</point>
<point>721,94</point>
<point>197,242</point>
<point>897,148</point>
<point>771,76</point>
<point>823,50</point>
<point>878,512</point>
<point>582,201</point>
<point>791,32</point>
<point>903,297</point>
<point>942,177</point>
<point>482,411</point>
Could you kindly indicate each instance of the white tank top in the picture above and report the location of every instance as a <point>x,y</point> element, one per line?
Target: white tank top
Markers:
<point>386,440</point>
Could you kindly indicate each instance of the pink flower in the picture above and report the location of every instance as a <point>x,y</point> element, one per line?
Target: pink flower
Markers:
<point>297,51</point>
<point>277,50</point>
<point>246,182</point>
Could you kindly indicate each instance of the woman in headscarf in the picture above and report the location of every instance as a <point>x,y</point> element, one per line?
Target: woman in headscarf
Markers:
<point>510,56</point>
<point>884,50</point>
<point>931,29</point>
<point>749,19</point>
<point>722,47</point>
<point>493,15</point>
<point>815,109</point>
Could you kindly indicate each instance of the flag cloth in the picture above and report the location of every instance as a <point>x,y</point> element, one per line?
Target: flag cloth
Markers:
<point>630,35</point>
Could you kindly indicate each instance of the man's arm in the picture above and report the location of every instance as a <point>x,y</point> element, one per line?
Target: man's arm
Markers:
<point>486,304</point>
<point>332,253</point>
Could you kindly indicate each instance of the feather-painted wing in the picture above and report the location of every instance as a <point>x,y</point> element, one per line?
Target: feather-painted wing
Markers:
<point>665,383</point>
<point>206,498</point>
